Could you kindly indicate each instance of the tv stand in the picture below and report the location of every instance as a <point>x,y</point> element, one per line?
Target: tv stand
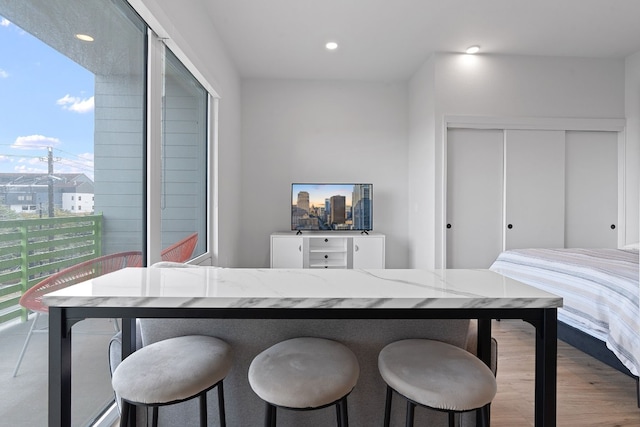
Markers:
<point>334,249</point>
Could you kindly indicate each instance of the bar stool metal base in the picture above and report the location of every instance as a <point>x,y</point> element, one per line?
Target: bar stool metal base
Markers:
<point>411,406</point>
<point>342,415</point>
<point>127,413</point>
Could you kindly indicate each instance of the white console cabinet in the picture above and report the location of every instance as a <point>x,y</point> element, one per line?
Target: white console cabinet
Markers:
<point>327,250</point>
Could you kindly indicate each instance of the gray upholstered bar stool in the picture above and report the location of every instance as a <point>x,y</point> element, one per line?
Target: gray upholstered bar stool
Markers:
<point>435,375</point>
<point>304,374</point>
<point>172,371</point>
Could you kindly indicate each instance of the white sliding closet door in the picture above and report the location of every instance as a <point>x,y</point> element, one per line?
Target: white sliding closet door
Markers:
<point>534,189</point>
<point>474,197</point>
<point>592,190</point>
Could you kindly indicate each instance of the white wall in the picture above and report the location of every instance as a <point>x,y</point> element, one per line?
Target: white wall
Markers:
<point>503,86</point>
<point>632,107</point>
<point>422,166</point>
<point>192,31</point>
<point>325,131</point>
<point>529,86</point>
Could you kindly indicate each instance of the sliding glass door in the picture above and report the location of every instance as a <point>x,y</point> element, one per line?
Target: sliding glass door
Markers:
<point>72,181</point>
<point>184,161</point>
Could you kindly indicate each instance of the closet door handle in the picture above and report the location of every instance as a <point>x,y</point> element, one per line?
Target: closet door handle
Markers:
<point>448,225</point>
<point>510,226</point>
<point>613,226</point>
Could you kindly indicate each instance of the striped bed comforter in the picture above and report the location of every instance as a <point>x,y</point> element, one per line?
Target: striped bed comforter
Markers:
<point>599,288</point>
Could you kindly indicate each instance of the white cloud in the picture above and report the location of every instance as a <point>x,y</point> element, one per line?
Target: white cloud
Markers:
<point>4,22</point>
<point>87,158</point>
<point>3,74</point>
<point>30,165</point>
<point>33,142</point>
<point>81,164</point>
<point>75,104</point>
<point>29,169</point>
<point>31,161</point>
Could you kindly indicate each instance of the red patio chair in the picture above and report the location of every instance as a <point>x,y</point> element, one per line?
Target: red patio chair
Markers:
<point>32,298</point>
<point>180,251</point>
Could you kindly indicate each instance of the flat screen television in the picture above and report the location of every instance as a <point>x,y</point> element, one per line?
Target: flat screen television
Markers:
<point>327,207</point>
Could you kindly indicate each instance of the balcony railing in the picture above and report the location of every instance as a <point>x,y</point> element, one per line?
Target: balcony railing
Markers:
<point>33,249</point>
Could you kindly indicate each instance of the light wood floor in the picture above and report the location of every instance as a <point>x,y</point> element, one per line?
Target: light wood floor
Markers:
<point>590,393</point>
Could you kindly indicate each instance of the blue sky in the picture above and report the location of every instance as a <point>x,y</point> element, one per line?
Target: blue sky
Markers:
<point>319,192</point>
<point>46,100</point>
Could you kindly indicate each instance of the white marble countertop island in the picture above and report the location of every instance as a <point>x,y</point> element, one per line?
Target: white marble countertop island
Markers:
<point>210,287</point>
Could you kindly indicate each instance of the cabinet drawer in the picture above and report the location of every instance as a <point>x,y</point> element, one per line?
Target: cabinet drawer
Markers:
<point>327,244</point>
<point>328,259</point>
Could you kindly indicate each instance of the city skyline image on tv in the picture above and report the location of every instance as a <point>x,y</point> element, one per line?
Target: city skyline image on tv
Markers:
<point>331,206</point>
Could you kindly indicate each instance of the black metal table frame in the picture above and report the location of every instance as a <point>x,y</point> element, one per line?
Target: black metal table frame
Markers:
<point>61,319</point>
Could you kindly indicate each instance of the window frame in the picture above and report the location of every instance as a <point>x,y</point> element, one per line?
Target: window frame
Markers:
<point>156,45</point>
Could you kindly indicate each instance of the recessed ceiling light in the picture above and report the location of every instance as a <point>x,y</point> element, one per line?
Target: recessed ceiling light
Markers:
<point>331,45</point>
<point>84,37</point>
<point>473,49</point>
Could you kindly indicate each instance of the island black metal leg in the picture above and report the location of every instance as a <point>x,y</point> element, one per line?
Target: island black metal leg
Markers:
<point>546,369</point>
<point>484,354</point>
<point>59,368</point>
<point>129,338</point>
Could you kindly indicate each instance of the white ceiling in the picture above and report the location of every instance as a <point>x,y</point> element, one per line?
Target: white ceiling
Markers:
<point>390,39</point>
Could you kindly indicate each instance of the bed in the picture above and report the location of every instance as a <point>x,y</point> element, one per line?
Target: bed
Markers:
<point>600,290</point>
